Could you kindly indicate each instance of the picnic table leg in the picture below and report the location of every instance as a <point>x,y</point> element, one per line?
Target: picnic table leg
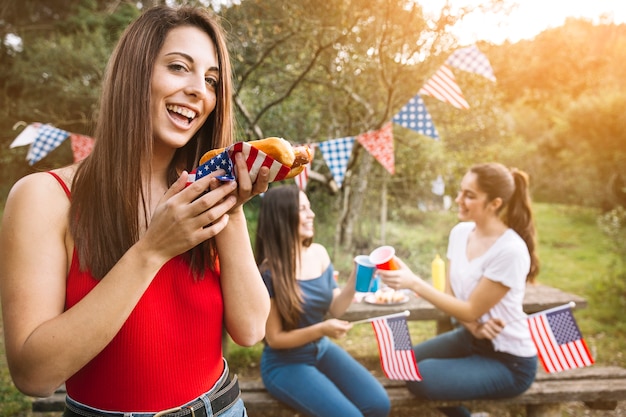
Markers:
<point>444,325</point>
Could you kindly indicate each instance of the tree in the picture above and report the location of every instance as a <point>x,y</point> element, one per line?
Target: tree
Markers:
<point>311,71</point>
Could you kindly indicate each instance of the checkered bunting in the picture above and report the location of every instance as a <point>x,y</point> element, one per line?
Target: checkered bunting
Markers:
<point>415,116</point>
<point>48,139</point>
<point>336,153</point>
<point>472,60</point>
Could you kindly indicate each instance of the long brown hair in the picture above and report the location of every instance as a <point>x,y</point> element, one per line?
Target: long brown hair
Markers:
<point>497,181</point>
<point>277,248</point>
<point>107,190</point>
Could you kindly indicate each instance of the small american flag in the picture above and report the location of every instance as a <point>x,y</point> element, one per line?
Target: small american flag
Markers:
<point>255,159</point>
<point>394,344</point>
<point>559,343</point>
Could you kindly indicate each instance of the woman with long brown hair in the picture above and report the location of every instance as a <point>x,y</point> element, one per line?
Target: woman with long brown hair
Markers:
<point>492,255</point>
<point>117,279</point>
<point>300,365</point>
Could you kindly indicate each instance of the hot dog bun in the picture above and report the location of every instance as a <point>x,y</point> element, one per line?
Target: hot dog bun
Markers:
<point>278,149</point>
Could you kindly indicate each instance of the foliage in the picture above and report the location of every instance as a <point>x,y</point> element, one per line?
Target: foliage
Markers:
<point>563,93</point>
<point>611,288</point>
<point>49,82</point>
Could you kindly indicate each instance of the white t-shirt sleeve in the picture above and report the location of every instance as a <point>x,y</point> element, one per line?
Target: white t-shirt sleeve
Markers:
<point>510,263</point>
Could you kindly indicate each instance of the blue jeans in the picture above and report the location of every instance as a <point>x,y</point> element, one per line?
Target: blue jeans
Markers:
<point>457,366</point>
<point>320,379</point>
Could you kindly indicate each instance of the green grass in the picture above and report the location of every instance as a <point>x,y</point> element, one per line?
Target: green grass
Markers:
<point>575,256</point>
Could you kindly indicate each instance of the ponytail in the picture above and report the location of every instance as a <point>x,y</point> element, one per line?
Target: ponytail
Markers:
<point>519,217</point>
<point>512,187</point>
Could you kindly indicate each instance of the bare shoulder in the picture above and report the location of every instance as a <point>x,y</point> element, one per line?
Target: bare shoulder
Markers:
<point>41,182</point>
<point>39,196</point>
<point>320,252</point>
<point>318,249</point>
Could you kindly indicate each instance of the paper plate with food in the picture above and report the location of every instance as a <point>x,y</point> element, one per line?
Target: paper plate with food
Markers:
<point>387,296</point>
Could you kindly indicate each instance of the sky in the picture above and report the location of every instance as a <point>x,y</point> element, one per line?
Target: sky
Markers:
<point>528,18</point>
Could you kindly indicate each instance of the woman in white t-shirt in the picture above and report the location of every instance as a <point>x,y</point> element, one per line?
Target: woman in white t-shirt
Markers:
<point>491,255</point>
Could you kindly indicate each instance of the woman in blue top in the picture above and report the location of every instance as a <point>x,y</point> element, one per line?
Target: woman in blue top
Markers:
<point>300,365</point>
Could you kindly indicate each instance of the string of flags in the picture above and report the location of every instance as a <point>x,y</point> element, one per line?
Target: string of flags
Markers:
<point>413,115</point>
<point>44,138</point>
<point>442,85</point>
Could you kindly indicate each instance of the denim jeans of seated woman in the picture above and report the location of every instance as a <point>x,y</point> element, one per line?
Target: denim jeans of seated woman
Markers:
<point>457,366</point>
<point>322,380</point>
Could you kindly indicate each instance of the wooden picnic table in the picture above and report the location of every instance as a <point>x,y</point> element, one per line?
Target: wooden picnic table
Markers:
<point>538,297</point>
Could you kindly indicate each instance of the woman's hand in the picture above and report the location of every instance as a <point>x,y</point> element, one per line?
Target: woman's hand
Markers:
<point>487,330</point>
<point>400,278</point>
<point>188,215</point>
<point>245,188</point>
<point>336,328</point>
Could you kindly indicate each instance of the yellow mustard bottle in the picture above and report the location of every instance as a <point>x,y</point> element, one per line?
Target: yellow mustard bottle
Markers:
<point>439,273</point>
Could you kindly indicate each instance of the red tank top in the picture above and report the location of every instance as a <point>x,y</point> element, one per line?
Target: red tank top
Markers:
<point>167,353</point>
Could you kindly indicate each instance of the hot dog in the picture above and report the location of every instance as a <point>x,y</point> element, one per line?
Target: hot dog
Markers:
<point>279,149</point>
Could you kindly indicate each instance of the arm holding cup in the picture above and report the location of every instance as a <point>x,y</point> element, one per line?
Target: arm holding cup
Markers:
<point>342,298</point>
<point>299,350</point>
<point>483,298</point>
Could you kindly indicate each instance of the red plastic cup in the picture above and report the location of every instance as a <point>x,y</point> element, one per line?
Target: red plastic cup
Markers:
<point>382,257</point>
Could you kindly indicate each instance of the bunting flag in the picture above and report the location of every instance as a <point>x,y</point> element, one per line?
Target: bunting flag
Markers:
<point>472,60</point>
<point>560,344</point>
<point>302,179</point>
<point>415,116</point>
<point>27,136</point>
<point>81,146</point>
<point>336,153</point>
<point>255,160</point>
<point>396,352</point>
<point>379,143</point>
<point>48,139</point>
<point>442,86</point>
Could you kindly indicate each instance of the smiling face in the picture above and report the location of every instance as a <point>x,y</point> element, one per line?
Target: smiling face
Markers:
<point>472,201</point>
<point>306,216</point>
<point>183,86</point>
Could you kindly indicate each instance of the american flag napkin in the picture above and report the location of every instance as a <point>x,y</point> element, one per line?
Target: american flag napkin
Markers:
<point>255,160</point>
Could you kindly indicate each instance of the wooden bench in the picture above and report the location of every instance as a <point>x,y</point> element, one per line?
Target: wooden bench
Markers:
<point>599,388</point>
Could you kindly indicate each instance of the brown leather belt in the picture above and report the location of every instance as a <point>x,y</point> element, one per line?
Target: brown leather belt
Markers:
<point>221,400</point>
